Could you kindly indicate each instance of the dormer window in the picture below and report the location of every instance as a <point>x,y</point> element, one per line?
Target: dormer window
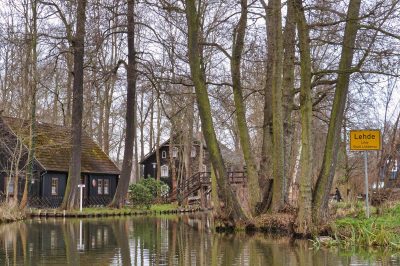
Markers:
<point>163,154</point>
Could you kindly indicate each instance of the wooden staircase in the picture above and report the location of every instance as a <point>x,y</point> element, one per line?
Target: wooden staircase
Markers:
<point>201,180</point>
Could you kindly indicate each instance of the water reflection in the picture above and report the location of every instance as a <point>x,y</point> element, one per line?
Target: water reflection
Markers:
<point>173,240</point>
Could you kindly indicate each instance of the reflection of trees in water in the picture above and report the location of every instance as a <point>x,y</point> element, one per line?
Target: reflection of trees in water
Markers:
<point>170,240</point>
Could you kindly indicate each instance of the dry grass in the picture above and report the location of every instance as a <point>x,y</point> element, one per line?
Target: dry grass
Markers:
<point>9,212</point>
<point>277,223</point>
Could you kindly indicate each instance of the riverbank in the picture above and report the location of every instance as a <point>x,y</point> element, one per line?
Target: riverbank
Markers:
<point>381,229</point>
<point>104,211</point>
<point>9,212</point>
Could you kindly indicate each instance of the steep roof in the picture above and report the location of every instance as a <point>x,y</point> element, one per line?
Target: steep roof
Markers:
<point>53,147</point>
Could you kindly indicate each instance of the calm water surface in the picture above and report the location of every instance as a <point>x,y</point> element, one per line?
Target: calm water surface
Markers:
<point>167,240</point>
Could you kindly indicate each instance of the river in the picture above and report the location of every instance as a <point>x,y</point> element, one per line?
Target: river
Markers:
<point>164,240</point>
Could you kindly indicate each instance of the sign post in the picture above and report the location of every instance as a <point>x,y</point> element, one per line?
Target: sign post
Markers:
<point>81,186</point>
<point>365,140</point>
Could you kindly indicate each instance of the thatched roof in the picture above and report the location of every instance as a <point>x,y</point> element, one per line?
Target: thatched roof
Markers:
<point>53,147</point>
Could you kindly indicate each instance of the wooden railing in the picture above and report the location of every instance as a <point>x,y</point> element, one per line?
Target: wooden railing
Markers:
<point>203,179</point>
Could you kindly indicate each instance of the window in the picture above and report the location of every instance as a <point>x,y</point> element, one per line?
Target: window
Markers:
<point>164,171</point>
<point>10,185</point>
<point>106,186</point>
<point>174,152</point>
<point>193,152</point>
<point>163,154</point>
<point>54,186</point>
<point>99,186</point>
<point>204,168</point>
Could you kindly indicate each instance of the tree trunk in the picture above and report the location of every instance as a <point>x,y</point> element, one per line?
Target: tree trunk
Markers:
<point>275,19</point>
<point>33,88</point>
<point>289,43</point>
<point>266,149</point>
<point>71,198</point>
<point>304,221</point>
<point>325,178</point>
<point>232,211</point>
<point>123,183</point>
<point>237,50</point>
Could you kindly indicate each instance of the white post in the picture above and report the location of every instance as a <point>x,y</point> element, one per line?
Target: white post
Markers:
<point>366,184</point>
<point>81,186</point>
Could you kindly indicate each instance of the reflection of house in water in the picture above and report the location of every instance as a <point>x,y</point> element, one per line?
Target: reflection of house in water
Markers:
<point>57,242</point>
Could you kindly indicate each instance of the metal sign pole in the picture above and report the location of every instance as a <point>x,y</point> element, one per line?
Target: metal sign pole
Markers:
<point>366,184</point>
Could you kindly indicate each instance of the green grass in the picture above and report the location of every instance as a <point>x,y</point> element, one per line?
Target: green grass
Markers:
<point>164,207</point>
<point>379,230</point>
<point>155,208</point>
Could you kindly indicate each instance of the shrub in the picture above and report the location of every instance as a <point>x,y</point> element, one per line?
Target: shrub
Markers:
<point>140,195</point>
<point>147,191</point>
<point>153,185</point>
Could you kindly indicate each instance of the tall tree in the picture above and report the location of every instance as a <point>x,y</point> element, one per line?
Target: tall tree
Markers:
<point>276,49</point>
<point>71,199</point>
<point>237,50</point>
<point>304,220</point>
<point>33,89</point>
<point>232,211</point>
<point>325,178</point>
<point>130,116</point>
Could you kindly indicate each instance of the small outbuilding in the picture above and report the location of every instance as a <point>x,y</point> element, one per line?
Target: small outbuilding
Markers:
<point>51,164</point>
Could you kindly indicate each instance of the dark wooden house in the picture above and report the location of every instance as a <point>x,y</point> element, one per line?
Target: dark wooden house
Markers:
<point>172,156</point>
<point>51,163</point>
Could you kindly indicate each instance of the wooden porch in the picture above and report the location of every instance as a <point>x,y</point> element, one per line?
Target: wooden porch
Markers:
<point>200,184</point>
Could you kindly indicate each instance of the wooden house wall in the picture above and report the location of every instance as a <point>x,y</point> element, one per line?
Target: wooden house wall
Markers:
<point>150,167</point>
<point>94,181</point>
<point>91,188</point>
<point>46,184</point>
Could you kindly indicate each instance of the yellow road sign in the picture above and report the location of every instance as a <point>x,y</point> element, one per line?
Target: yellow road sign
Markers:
<point>365,140</point>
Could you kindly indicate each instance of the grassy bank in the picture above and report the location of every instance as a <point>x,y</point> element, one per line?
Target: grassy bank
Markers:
<point>10,212</point>
<point>104,211</point>
<point>352,228</point>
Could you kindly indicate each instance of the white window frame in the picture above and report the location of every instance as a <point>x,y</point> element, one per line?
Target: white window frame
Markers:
<point>106,186</point>
<point>54,189</point>
<point>175,152</point>
<point>163,154</point>
<point>99,186</point>
<point>164,171</point>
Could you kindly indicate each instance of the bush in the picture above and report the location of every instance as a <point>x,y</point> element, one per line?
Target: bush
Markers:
<point>153,185</point>
<point>140,195</point>
<point>147,191</point>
